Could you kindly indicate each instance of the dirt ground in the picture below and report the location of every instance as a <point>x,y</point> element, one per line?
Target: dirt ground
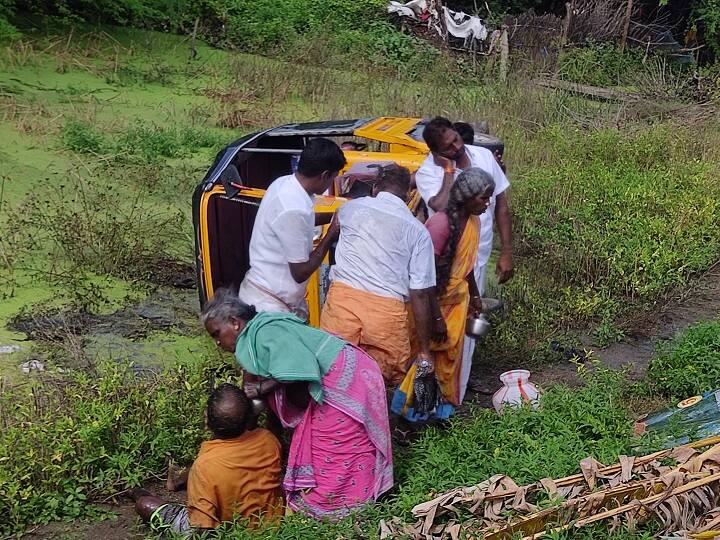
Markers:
<point>701,302</point>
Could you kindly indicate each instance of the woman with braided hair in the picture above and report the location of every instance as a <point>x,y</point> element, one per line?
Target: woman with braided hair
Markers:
<point>455,233</point>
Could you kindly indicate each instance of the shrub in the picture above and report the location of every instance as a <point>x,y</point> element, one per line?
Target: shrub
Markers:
<point>152,143</point>
<point>67,443</point>
<point>614,222</point>
<point>86,225</point>
<point>600,64</point>
<point>80,137</point>
<point>690,364</point>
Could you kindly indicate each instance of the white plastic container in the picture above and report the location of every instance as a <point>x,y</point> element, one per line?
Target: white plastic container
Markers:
<point>516,390</point>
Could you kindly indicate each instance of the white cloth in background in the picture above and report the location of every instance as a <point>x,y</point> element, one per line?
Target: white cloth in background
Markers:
<point>282,234</point>
<point>462,25</point>
<point>429,179</point>
<point>458,23</point>
<point>412,9</point>
<point>383,248</point>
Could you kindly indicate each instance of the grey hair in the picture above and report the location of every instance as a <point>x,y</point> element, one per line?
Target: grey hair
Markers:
<point>224,306</point>
<point>469,184</point>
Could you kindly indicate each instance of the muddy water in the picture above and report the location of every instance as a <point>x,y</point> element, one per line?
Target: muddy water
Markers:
<point>149,334</point>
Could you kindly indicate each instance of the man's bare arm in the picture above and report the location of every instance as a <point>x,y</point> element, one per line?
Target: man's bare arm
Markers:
<point>504,268</point>
<point>301,272</point>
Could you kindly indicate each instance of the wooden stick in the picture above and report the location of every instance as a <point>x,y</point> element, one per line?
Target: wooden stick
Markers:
<point>626,28</point>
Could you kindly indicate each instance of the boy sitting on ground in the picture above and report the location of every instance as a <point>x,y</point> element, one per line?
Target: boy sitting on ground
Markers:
<point>237,473</point>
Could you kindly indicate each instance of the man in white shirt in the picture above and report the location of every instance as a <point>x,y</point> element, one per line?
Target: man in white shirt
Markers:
<point>384,259</point>
<point>282,257</point>
<point>449,155</point>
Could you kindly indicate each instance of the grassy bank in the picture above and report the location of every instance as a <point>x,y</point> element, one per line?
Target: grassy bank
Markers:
<point>85,437</point>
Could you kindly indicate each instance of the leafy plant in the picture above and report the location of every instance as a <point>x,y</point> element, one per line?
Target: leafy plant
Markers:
<point>89,226</point>
<point>80,137</point>
<point>690,364</point>
<point>70,442</point>
<point>600,64</point>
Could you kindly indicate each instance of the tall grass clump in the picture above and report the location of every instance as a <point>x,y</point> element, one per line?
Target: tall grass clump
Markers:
<point>66,443</point>
<point>80,137</point>
<point>153,143</point>
<point>690,364</point>
<point>88,225</point>
<point>614,221</point>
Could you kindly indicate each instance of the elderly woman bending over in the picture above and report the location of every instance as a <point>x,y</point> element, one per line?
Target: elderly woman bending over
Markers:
<point>329,391</point>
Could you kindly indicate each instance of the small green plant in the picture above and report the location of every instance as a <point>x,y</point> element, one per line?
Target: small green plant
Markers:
<point>600,64</point>
<point>690,364</point>
<point>80,137</point>
<point>152,143</point>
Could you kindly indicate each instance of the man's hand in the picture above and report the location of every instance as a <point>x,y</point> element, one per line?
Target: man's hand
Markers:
<point>504,268</point>
<point>438,331</point>
<point>475,306</point>
<point>442,161</point>
<point>334,229</point>
<point>252,389</point>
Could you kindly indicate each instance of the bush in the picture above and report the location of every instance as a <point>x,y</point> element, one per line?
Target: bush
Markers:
<point>86,225</point>
<point>152,143</point>
<point>67,443</point>
<point>618,219</point>
<point>80,137</point>
<point>689,365</point>
<point>600,64</point>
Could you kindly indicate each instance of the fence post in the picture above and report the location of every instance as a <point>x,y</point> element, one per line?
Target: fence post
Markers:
<point>504,54</point>
<point>626,28</point>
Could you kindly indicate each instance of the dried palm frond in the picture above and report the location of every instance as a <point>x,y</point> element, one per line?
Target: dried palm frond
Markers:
<point>682,497</point>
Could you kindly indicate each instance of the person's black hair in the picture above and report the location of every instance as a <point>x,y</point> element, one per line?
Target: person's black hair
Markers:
<point>228,410</point>
<point>320,155</point>
<point>466,132</point>
<point>435,129</point>
<point>394,178</point>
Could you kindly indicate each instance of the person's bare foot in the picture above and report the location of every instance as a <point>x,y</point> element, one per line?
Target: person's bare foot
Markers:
<point>171,482</point>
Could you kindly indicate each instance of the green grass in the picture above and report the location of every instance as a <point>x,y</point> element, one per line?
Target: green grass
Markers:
<point>690,364</point>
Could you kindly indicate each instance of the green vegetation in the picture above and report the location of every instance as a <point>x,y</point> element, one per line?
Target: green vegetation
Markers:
<point>89,435</point>
<point>690,365</point>
<point>601,64</point>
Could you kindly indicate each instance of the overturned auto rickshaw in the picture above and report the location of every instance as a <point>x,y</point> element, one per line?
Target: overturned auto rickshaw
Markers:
<point>226,201</point>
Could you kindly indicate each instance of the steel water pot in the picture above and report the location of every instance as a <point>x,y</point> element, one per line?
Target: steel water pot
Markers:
<point>477,326</point>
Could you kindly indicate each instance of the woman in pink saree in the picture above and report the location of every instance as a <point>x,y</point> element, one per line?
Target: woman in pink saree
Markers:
<point>331,393</point>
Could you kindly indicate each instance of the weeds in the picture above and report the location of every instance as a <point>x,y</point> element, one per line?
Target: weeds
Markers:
<point>88,226</point>
<point>690,364</point>
<point>68,443</point>
<point>152,143</point>
<point>80,137</point>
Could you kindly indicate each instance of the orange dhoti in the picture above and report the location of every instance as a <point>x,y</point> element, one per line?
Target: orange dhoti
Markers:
<point>377,324</point>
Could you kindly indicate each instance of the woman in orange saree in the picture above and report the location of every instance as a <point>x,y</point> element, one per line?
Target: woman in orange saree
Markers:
<point>455,234</point>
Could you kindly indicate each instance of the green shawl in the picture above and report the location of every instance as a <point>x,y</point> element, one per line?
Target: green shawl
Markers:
<point>280,346</point>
